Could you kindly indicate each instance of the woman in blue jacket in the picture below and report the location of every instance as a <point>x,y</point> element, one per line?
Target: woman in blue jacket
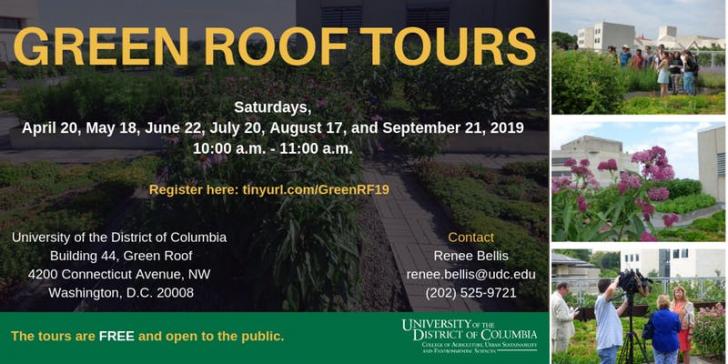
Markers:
<point>665,325</point>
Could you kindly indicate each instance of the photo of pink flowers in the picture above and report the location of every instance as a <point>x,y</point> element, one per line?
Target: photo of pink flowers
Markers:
<point>629,182</point>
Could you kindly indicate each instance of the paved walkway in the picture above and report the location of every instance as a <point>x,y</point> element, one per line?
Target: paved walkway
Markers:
<point>688,218</point>
<point>416,226</point>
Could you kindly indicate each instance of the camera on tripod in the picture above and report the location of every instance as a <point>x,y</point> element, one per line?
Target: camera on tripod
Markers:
<point>631,281</point>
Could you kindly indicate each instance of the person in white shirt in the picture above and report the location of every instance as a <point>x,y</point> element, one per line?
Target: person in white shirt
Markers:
<point>609,326</point>
<point>562,319</point>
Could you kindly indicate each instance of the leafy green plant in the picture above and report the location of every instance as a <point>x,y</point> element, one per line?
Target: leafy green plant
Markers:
<point>711,228</point>
<point>640,80</point>
<point>475,200</point>
<point>709,331</point>
<point>685,204</point>
<point>681,187</point>
<point>586,83</point>
<point>680,104</point>
<point>102,97</point>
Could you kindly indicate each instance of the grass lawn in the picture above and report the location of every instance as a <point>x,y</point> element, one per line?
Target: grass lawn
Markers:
<point>680,104</point>
<point>43,197</point>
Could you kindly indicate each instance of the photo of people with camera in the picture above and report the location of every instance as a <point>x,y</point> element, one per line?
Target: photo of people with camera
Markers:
<point>642,305</point>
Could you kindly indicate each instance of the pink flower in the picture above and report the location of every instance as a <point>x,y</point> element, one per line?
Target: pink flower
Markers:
<point>581,202</point>
<point>558,183</point>
<point>570,162</point>
<point>610,165</point>
<point>584,163</point>
<point>647,208</point>
<point>627,181</point>
<point>593,183</point>
<point>641,157</point>
<point>646,236</point>
<point>581,171</point>
<point>670,219</point>
<point>658,194</point>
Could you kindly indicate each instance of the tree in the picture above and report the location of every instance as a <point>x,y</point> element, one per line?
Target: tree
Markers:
<point>606,260</point>
<point>563,40</point>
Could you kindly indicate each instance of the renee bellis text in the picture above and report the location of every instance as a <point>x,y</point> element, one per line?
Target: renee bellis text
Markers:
<point>32,46</point>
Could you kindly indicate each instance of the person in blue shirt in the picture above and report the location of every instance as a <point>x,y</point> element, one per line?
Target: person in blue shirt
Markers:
<point>625,56</point>
<point>665,325</point>
<point>609,325</point>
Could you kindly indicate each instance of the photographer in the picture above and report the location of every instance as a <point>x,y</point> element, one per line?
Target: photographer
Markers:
<point>664,326</point>
<point>562,319</point>
<point>609,325</point>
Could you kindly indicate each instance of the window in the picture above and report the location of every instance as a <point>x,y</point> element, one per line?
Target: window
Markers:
<point>560,174</point>
<point>558,161</point>
<point>429,18</point>
<point>341,16</point>
<point>636,257</point>
<point>721,164</point>
<point>676,254</point>
<point>684,253</point>
<point>11,23</point>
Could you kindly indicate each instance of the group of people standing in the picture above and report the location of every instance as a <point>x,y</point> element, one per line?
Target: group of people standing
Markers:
<point>670,328</point>
<point>676,71</point>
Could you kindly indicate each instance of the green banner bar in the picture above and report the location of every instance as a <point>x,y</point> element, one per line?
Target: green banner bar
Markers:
<point>274,337</point>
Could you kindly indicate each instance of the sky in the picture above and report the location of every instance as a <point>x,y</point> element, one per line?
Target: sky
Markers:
<point>680,140</point>
<point>691,17</point>
<point>275,15</point>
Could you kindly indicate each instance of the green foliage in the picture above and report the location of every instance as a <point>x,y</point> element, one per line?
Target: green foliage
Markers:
<point>42,197</point>
<point>586,83</point>
<point>606,260</point>
<point>640,80</point>
<point>563,40</point>
<point>709,331</point>
<point>685,204</point>
<point>583,345</point>
<point>711,80</point>
<point>470,196</point>
<point>301,252</point>
<point>704,229</point>
<point>681,187</point>
<point>487,91</point>
<point>680,104</point>
<point>102,97</point>
<point>535,170</point>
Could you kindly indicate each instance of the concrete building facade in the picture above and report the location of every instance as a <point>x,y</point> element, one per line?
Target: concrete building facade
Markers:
<point>427,14</point>
<point>684,262</point>
<point>711,162</point>
<point>580,275</point>
<point>612,34</point>
<point>595,150</point>
<point>585,38</point>
<point>14,16</point>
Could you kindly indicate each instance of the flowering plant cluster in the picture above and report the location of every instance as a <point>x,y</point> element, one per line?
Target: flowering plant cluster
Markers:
<point>709,331</point>
<point>585,211</point>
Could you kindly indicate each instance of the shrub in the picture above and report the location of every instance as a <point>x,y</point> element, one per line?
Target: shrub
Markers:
<point>99,97</point>
<point>709,331</point>
<point>704,229</point>
<point>681,187</point>
<point>640,80</point>
<point>535,170</point>
<point>711,80</point>
<point>685,204</point>
<point>586,83</point>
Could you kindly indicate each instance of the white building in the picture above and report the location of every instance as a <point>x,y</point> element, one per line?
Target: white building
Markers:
<point>711,161</point>
<point>603,34</point>
<point>595,150</point>
<point>585,38</point>
<point>686,262</point>
<point>15,15</point>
